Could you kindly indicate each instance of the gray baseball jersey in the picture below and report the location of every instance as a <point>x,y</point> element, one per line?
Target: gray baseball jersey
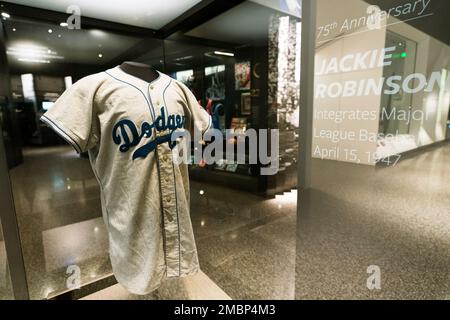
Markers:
<point>125,124</point>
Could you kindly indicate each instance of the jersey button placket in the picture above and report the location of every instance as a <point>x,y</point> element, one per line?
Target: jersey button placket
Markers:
<point>172,232</point>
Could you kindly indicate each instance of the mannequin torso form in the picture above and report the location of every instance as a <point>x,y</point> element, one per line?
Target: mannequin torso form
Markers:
<point>140,70</point>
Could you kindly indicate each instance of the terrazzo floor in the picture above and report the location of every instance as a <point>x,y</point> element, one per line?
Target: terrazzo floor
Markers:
<point>395,218</point>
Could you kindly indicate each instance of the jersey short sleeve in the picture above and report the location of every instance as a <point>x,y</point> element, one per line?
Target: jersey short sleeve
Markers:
<point>199,119</point>
<point>74,116</point>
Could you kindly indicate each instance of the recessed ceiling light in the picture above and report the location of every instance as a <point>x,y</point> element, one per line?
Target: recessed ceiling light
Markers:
<point>14,29</point>
<point>63,24</point>
<point>222,53</point>
<point>5,15</point>
<point>50,30</point>
<point>59,36</point>
<point>100,55</point>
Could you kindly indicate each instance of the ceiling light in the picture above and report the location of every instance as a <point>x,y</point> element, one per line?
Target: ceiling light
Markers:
<point>59,36</point>
<point>63,24</point>
<point>100,55</point>
<point>50,30</point>
<point>14,29</point>
<point>5,15</point>
<point>222,53</point>
<point>34,61</point>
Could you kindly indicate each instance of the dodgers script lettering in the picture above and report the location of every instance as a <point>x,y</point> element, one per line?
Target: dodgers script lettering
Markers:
<point>125,133</point>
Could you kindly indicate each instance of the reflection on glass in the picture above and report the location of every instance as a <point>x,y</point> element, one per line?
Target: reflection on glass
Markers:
<point>372,207</point>
<point>5,280</point>
<point>230,80</point>
<point>397,109</point>
<point>58,208</point>
<point>283,94</point>
<point>231,71</point>
<point>403,64</point>
<point>215,83</point>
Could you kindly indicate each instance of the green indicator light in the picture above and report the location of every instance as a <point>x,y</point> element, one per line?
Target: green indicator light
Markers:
<point>403,55</point>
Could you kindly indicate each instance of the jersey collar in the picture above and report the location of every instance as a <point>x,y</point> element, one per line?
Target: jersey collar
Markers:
<point>118,73</point>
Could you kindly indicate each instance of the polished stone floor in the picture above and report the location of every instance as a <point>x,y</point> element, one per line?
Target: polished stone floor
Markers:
<point>246,243</point>
<point>396,218</point>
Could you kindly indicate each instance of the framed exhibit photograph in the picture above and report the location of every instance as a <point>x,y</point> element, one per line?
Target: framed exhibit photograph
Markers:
<point>246,103</point>
<point>242,75</point>
<point>238,124</point>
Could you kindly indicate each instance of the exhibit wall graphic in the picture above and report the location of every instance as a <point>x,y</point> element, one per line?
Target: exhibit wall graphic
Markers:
<point>345,108</point>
